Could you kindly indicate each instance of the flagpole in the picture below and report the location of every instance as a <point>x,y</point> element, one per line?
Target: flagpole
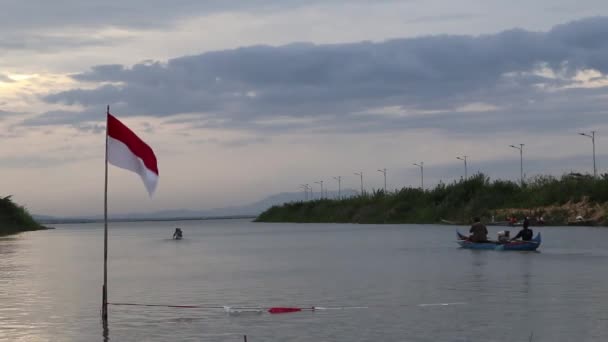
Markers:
<point>104,307</point>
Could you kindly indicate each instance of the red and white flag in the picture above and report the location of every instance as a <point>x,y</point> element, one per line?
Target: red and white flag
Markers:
<point>126,150</point>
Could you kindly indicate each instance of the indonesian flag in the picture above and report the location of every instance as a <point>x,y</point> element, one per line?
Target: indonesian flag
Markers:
<point>126,150</point>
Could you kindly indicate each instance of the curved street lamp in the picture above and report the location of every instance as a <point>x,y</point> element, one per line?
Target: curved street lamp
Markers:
<point>421,166</point>
<point>521,162</point>
<point>464,158</point>
<point>592,136</point>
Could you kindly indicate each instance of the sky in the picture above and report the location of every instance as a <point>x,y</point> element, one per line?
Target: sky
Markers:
<point>244,99</point>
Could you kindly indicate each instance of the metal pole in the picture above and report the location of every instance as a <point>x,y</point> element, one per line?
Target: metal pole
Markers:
<point>593,141</point>
<point>339,179</point>
<point>104,305</point>
<point>362,183</point>
<point>592,136</point>
<point>421,166</point>
<point>321,189</point>
<point>303,186</point>
<point>360,174</point>
<point>384,172</point>
<point>320,183</point>
<point>521,162</point>
<point>464,158</point>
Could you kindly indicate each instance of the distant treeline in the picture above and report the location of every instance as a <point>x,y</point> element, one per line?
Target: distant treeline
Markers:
<point>15,218</point>
<point>459,202</point>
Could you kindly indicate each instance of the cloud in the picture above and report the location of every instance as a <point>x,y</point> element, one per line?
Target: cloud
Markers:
<point>6,79</point>
<point>31,14</point>
<point>52,42</point>
<point>522,78</point>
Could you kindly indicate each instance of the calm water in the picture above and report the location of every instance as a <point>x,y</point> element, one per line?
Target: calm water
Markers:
<point>50,284</point>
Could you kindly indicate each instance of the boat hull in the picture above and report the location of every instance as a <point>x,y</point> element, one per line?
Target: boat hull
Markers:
<point>518,245</point>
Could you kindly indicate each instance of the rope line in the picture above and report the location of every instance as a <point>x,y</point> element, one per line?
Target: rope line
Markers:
<point>300,308</point>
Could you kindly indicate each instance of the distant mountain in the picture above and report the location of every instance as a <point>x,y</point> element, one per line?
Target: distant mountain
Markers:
<point>252,209</point>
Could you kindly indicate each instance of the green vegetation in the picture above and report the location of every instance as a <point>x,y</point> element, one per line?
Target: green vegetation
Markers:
<point>15,218</point>
<point>559,200</point>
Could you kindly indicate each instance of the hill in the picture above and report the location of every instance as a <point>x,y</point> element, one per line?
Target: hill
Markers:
<point>15,218</point>
<point>247,210</point>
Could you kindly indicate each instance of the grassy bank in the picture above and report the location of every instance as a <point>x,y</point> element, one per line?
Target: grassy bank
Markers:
<point>558,200</point>
<point>15,218</point>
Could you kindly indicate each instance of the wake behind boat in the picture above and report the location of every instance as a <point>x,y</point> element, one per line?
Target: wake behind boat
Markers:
<point>516,245</point>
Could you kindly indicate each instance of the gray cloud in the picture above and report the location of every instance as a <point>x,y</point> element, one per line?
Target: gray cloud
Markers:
<point>233,143</point>
<point>48,43</point>
<point>34,162</point>
<point>50,26</point>
<point>333,86</point>
<point>34,14</point>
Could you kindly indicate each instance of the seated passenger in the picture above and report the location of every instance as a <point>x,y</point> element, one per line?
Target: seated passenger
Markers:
<point>479,232</point>
<point>526,233</point>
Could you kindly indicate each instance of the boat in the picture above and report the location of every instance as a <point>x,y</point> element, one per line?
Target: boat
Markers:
<point>517,245</point>
<point>583,222</point>
<point>505,224</point>
<point>452,223</point>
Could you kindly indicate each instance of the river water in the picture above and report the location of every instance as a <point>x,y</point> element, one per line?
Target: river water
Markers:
<point>50,284</point>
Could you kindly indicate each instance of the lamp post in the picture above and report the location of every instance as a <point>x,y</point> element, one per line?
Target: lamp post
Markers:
<point>521,162</point>
<point>361,175</point>
<point>320,183</point>
<point>339,179</point>
<point>384,173</point>
<point>592,136</point>
<point>421,165</point>
<point>464,158</point>
<point>305,187</point>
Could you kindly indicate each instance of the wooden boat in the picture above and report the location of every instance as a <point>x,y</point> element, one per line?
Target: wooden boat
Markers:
<point>452,223</point>
<point>587,223</point>
<point>505,224</point>
<point>517,245</point>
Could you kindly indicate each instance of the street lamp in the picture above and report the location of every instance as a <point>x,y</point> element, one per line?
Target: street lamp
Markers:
<point>592,136</point>
<point>305,187</point>
<point>421,165</point>
<point>361,175</point>
<point>320,183</point>
<point>384,172</point>
<point>339,179</point>
<point>521,162</point>
<point>464,158</point>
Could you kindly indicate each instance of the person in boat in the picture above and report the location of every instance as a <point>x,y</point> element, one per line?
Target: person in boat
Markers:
<point>479,232</point>
<point>177,234</point>
<point>540,220</point>
<point>526,234</point>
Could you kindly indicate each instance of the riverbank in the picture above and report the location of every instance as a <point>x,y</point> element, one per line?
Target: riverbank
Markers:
<point>559,201</point>
<point>16,219</point>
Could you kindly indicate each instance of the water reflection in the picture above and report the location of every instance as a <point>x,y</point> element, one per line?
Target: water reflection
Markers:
<point>105,330</point>
<point>50,281</point>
